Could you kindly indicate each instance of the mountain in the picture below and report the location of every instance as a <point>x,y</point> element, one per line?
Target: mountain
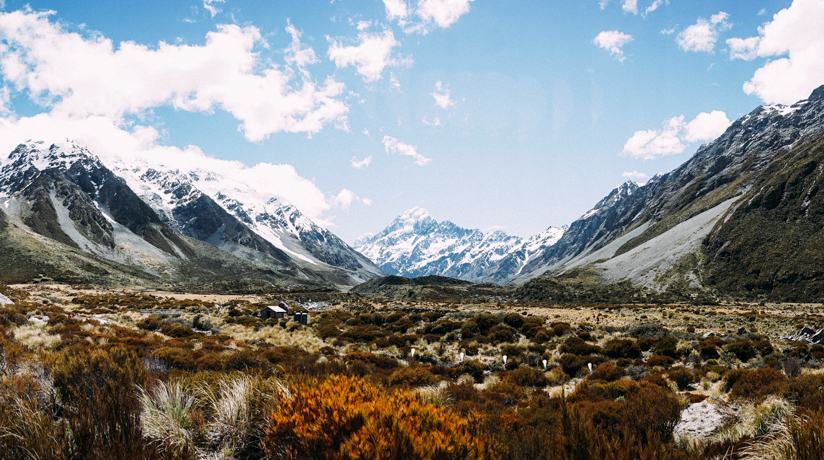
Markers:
<point>415,245</point>
<point>717,220</point>
<point>66,215</point>
<point>234,217</point>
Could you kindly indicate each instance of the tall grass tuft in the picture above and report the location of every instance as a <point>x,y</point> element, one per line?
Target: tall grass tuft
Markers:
<point>166,418</point>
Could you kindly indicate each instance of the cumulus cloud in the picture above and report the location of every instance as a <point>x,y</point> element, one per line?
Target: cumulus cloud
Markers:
<point>671,139</point>
<point>630,6</point>
<point>361,164</point>
<point>209,5</point>
<point>443,12</point>
<point>442,96</point>
<point>392,145</point>
<point>114,143</point>
<point>87,76</point>
<point>344,199</point>
<point>613,41</point>
<point>370,56</point>
<point>795,34</point>
<point>395,9</point>
<point>701,36</point>
<point>635,175</point>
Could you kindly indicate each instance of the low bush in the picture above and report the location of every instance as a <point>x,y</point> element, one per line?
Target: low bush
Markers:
<point>742,350</point>
<point>660,361</point>
<point>528,377</point>
<point>622,348</point>
<point>577,346</point>
<point>758,383</point>
<point>607,372</point>
<point>682,377</point>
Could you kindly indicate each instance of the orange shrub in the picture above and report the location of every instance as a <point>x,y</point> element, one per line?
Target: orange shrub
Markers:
<point>348,418</point>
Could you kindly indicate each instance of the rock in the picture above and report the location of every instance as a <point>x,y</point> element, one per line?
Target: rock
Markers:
<point>818,337</point>
<point>5,300</point>
<point>806,330</point>
<point>742,330</point>
<point>700,420</point>
<point>39,320</point>
<point>709,334</point>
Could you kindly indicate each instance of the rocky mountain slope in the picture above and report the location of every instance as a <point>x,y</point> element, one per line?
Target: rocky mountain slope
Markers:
<point>65,214</point>
<point>234,217</point>
<point>688,224</point>
<point>415,244</point>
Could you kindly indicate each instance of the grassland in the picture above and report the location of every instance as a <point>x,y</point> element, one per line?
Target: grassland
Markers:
<point>136,373</point>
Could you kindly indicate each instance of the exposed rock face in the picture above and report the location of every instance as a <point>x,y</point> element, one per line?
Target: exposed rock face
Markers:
<point>67,215</point>
<point>416,245</point>
<point>746,155</point>
<point>236,218</point>
<point>700,420</point>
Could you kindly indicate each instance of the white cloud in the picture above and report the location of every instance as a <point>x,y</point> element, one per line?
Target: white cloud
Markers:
<point>613,41</point>
<point>344,199</point>
<point>435,121</point>
<point>209,6</point>
<point>603,3</point>
<point>630,6</point>
<point>361,164</point>
<point>78,76</point>
<point>395,9</point>
<point>635,175</point>
<point>370,56</point>
<point>442,96</point>
<point>394,81</point>
<point>443,12</point>
<point>296,54</point>
<point>796,38</point>
<point>701,36</point>
<point>363,25</point>
<point>654,6</point>
<point>366,132</point>
<point>652,143</point>
<point>366,201</point>
<point>669,31</point>
<point>706,126</point>
<point>392,145</point>
<point>110,141</point>
<point>743,48</point>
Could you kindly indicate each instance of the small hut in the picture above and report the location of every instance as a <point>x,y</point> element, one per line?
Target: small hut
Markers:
<point>272,311</point>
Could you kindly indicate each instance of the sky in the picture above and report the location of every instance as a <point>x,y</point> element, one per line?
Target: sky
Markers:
<point>499,115</point>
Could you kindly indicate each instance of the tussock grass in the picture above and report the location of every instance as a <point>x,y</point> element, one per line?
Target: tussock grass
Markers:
<point>166,418</point>
<point>35,337</point>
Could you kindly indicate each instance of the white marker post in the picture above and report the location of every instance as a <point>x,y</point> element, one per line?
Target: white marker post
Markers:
<point>461,357</point>
<point>544,364</point>
<point>413,355</point>
<point>504,360</point>
<point>589,365</point>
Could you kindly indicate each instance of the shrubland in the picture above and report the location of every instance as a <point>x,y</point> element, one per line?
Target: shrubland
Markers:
<point>143,376</point>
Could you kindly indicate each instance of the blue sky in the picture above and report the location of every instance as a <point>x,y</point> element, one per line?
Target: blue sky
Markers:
<point>512,115</point>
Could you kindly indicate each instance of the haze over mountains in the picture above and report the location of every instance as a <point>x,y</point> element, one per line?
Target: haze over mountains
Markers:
<point>744,213</point>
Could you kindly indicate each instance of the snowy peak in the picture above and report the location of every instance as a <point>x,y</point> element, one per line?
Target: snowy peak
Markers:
<point>415,244</point>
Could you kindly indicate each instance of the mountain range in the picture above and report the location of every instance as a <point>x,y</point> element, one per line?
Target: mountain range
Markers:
<point>65,215</point>
<point>743,215</point>
<point>415,244</point>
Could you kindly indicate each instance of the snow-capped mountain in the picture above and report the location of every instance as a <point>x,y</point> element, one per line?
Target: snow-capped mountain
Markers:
<point>155,219</point>
<point>207,206</point>
<point>415,244</point>
<point>667,230</point>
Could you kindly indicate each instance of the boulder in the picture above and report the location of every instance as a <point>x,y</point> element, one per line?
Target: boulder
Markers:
<point>5,300</point>
<point>700,420</point>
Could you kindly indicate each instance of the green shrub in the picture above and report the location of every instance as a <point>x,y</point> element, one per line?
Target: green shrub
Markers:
<point>682,377</point>
<point>514,320</point>
<point>806,391</point>
<point>577,346</point>
<point>666,347</point>
<point>660,361</point>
